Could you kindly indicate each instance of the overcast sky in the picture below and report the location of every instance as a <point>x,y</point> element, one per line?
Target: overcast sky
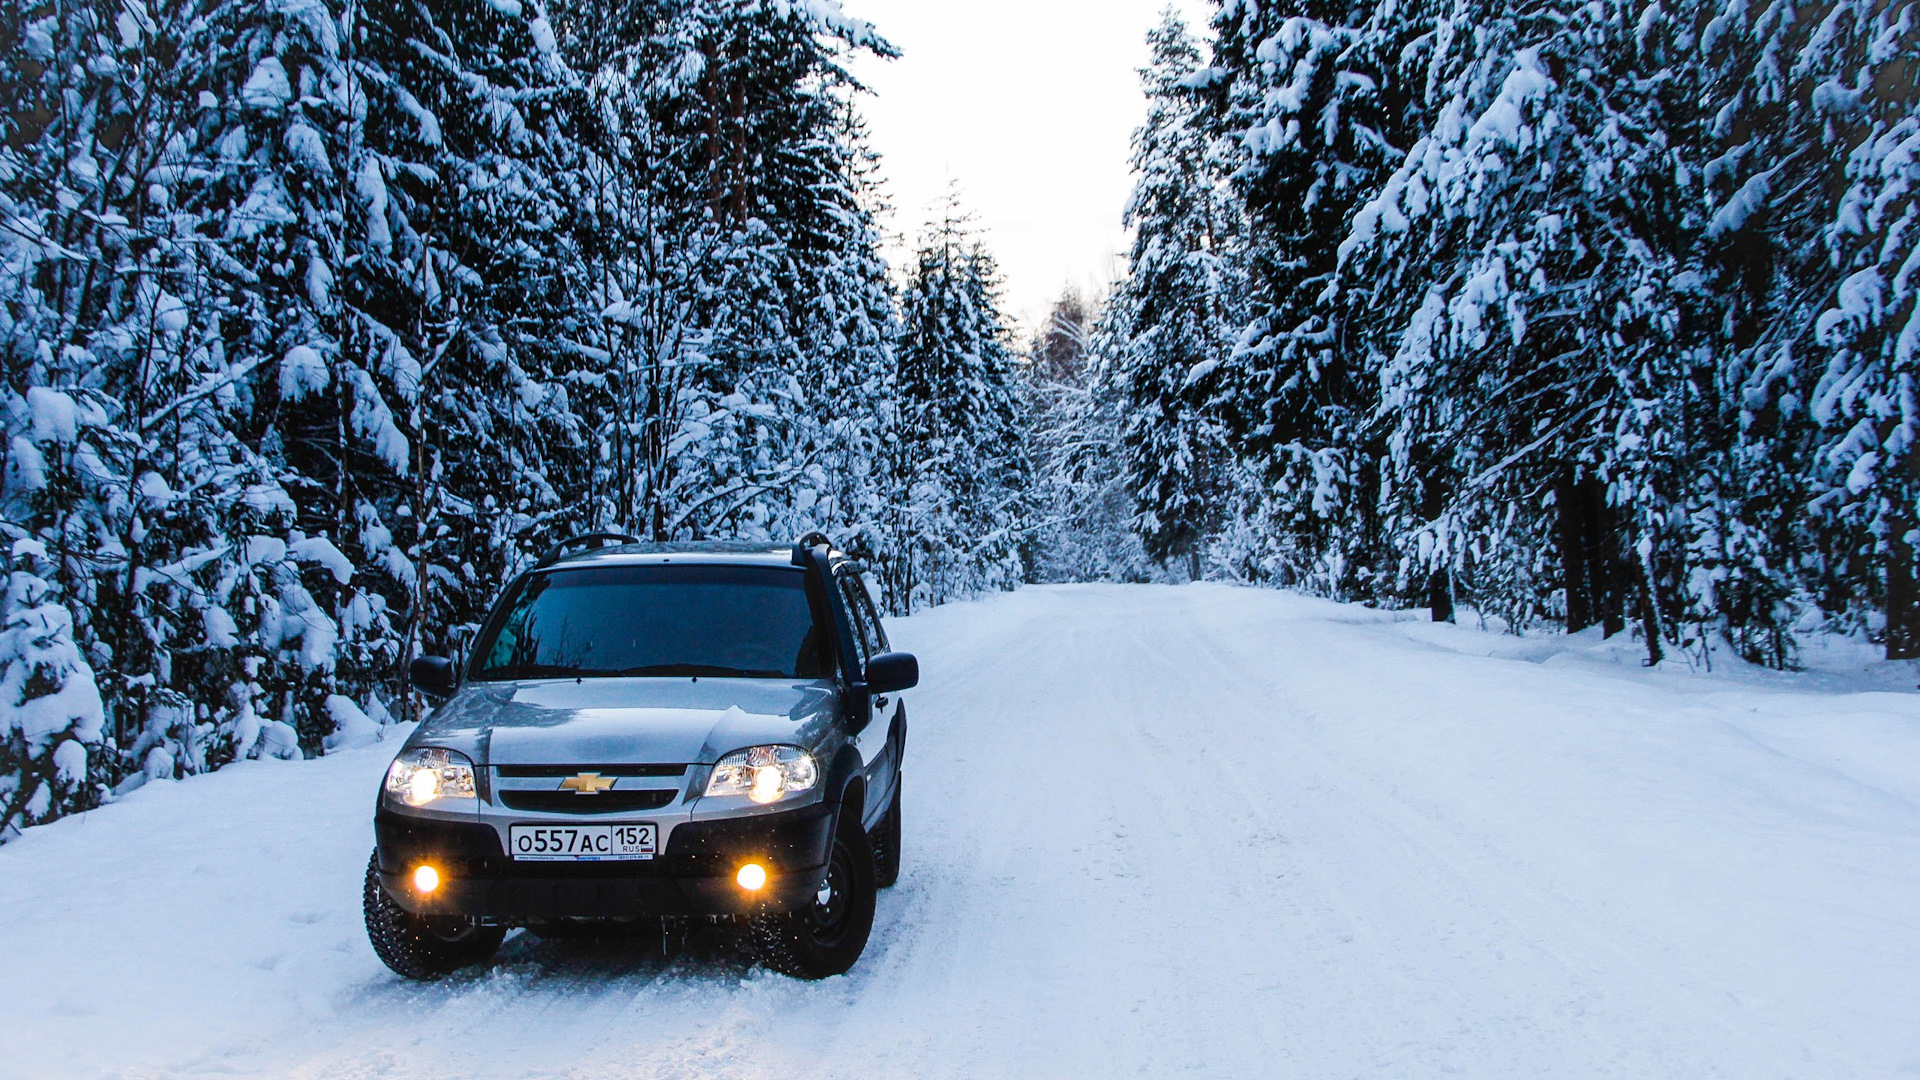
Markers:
<point>1028,105</point>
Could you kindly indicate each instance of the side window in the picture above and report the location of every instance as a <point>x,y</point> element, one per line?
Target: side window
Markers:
<point>863,633</point>
<point>879,644</point>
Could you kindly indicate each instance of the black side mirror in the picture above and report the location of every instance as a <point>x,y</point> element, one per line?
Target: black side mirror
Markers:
<point>892,671</point>
<point>432,675</point>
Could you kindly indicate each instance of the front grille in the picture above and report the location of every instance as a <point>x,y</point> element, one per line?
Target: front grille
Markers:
<point>534,772</point>
<point>607,802</point>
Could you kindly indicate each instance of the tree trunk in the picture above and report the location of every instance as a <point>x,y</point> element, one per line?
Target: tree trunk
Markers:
<point>1650,623</point>
<point>1595,576</point>
<point>1605,573</point>
<point>1903,600</point>
<point>1433,503</point>
<point>1573,561</point>
<point>1440,595</point>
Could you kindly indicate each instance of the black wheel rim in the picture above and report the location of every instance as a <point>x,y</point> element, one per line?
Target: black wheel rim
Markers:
<point>827,916</point>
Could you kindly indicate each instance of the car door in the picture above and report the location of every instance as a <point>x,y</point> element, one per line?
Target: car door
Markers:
<point>889,709</point>
<point>876,750</point>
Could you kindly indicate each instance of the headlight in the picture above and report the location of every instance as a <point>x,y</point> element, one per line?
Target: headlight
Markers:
<point>764,773</point>
<point>428,774</point>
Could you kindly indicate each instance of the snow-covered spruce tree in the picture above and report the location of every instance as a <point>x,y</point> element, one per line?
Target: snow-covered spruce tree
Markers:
<point>124,366</point>
<point>416,414</point>
<point>834,382</point>
<point>1527,249</point>
<point>959,470</point>
<point>743,311</point>
<point>1814,300</point>
<point>459,305</point>
<point>851,324</point>
<point>54,725</point>
<point>1304,103</point>
<point>377,142</point>
<point>1081,505</point>
<point>1174,317</point>
<point>1864,399</point>
<point>61,227</point>
<point>278,112</point>
<point>1755,277</point>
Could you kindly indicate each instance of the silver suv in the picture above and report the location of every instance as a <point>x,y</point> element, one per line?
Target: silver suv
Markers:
<point>647,731</point>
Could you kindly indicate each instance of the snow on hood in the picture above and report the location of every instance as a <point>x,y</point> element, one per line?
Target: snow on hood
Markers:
<point>611,721</point>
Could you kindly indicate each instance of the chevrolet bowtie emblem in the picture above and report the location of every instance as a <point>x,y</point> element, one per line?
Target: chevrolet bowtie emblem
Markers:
<point>587,783</point>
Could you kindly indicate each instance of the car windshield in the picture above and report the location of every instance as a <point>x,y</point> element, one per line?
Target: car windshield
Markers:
<point>739,621</point>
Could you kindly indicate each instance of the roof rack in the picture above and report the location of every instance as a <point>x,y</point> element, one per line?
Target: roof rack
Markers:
<point>597,539</point>
<point>805,545</point>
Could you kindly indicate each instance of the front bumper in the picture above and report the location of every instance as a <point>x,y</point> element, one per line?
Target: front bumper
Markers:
<point>694,876</point>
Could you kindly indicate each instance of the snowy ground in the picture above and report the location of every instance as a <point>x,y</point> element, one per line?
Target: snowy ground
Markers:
<point>1151,832</point>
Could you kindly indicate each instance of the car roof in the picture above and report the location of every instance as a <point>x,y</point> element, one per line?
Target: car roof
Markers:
<point>697,552</point>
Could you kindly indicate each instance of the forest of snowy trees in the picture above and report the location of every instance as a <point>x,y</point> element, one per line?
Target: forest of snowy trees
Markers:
<point>1595,314</point>
<point>320,319</point>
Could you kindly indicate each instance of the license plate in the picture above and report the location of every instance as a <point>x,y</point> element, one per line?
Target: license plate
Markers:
<point>583,843</point>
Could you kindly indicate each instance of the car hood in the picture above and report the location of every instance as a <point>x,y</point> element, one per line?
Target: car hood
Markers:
<point>611,721</point>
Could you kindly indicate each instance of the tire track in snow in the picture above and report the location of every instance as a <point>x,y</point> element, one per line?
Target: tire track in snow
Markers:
<point>1512,926</point>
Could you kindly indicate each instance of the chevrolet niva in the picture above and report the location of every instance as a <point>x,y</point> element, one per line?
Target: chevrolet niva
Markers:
<point>646,731</point>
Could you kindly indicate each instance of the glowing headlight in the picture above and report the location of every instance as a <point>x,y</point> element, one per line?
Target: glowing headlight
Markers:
<point>421,776</point>
<point>764,773</point>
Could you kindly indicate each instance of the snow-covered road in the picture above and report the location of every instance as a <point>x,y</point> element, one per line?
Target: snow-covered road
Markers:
<point>1150,831</point>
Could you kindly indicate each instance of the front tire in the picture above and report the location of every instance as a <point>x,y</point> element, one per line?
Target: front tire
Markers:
<point>422,947</point>
<point>826,936</point>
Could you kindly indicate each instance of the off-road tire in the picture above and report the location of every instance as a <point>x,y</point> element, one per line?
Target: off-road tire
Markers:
<point>886,842</point>
<point>422,947</point>
<point>814,940</point>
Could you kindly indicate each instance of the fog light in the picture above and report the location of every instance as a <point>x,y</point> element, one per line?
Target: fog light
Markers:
<point>426,879</point>
<point>752,877</point>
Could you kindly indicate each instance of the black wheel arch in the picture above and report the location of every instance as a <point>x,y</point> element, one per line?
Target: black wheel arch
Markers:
<point>846,787</point>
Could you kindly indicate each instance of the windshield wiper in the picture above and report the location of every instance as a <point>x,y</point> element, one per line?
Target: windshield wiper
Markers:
<point>563,671</point>
<point>711,670</point>
<point>531,671</point>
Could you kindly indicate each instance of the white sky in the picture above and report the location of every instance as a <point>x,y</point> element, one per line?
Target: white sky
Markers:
<point>1028,105</point>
